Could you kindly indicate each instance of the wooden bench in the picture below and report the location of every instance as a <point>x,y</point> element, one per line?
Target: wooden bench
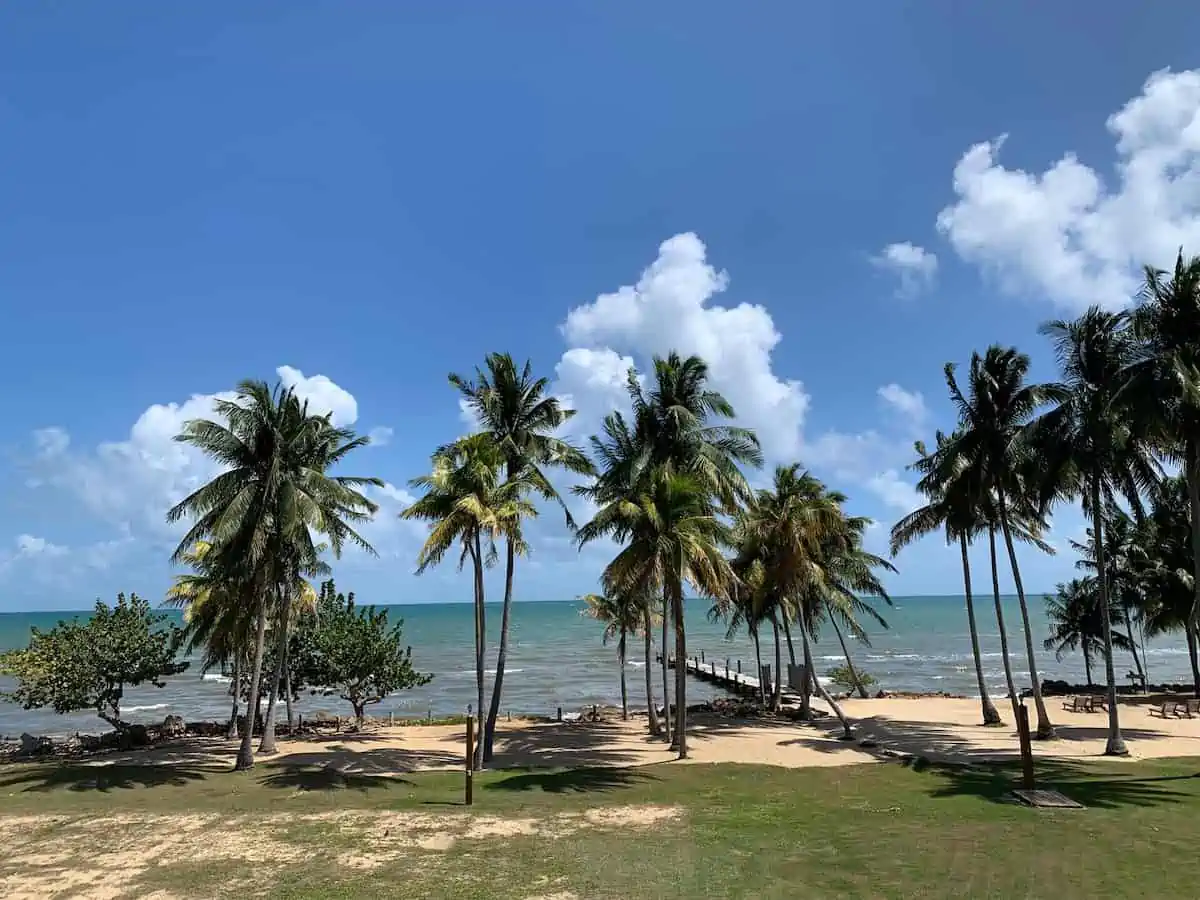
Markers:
<point>1179,708</point>
<point>1085,703</point>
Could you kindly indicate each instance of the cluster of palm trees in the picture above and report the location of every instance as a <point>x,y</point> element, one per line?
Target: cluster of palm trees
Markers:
<point>1126,409</point>
<point>256,532</point>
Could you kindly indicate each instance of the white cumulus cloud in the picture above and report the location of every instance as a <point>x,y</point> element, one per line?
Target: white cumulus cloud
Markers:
<point>669,308</point>
<point>322,394</point>
<point>380,436</point>
<point>1067,236</point>
<point>915,266</point>
<point>897,493</point>
<point>29,546</point>
<point>910,405</point>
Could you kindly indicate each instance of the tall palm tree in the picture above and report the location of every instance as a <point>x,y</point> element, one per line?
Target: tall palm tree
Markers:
<point>1164,383</point>
<point>1088,449</point>
<point>621,615</point>
<point>275,494</point>
<point>993,415</point>
<point>1077,622</point>
<point>674,538</point>
<point>1125,550</point>
<point>514,410</point>
<point>470,503</point>
<point>950,509</point>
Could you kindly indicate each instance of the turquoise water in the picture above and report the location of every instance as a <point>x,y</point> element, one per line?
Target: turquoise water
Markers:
<point>556,658</point>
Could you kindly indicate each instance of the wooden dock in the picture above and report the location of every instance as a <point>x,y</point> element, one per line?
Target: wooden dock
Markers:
<point>726,674</point>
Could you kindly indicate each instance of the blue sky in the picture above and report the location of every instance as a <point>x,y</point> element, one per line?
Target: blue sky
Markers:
<point>361,198</point>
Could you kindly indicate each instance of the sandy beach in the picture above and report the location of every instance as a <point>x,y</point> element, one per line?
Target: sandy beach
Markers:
<point>940,729</point>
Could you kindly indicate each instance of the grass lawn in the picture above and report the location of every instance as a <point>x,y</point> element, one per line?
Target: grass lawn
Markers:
<point>686,831</point>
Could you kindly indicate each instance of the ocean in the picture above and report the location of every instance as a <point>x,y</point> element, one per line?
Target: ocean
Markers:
<point>556,658</point>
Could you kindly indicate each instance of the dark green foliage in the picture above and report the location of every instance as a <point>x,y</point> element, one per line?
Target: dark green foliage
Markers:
<point>88,664</point>
<point>353,652</point>
<point>844,678</point>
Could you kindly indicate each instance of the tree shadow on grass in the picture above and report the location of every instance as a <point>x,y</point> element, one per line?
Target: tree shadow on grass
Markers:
<point>328,778</point>
<point>75,777</point>
<point>582,780</point>
<point>995,782</point>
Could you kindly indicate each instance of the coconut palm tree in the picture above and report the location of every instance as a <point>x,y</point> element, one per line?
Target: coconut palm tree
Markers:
<point>1078,623</point>
<point>673,537</point>
<point>274,495</point>
<point>470,503</point>
<point>1163,384</point>
<point>1088,449</point>
<point>950,509</point>
<point>621,615</point>
<point>515,411</point>
<point>993,415</point>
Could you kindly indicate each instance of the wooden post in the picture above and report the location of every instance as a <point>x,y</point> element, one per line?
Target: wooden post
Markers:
<point>1026,747</point>
<point>469,796</point>
<point>714,669</point>
<point>701,656</point>
<point>559,717</point>
<point>739,667</point>
<point>391,718</point>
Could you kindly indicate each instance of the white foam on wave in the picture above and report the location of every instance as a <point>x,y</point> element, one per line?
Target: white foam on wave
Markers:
<point>152,706</point>
<point>213,676</point>
<point>507,671</point>
<point>832,658</point>
<point>636,664</point>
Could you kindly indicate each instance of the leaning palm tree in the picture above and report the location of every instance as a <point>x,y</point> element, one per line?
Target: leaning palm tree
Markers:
<point>514,410</point>
<point>469,503</point>
<point>673,538</point>
<point>1089,450</point>
<point>274,495</point>
<point>1078,623</point>
<point>993,415</point>
<point>950,509</point>
<point>1163,384</point>
<point>621,615</point>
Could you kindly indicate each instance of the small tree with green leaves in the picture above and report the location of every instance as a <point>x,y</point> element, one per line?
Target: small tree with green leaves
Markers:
<point>88,664</point>
<point>354,652</point>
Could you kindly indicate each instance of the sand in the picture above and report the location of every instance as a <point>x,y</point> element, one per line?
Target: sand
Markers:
<point>943,729</point>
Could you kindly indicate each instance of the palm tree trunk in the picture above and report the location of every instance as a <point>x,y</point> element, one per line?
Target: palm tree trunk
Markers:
<point>1193,486</point>
<point>680,667</point>
<point>668,728</point>
<point>267,745</point>
<point>847,734</point>
<point>776,681</point>
<point>245,757</point>
<point>624,690</point>
<point>480,641</point>
<point>787,633</point>
<point>287,694</point>
<point>1045,729</point>
<point>489,730</point>
<point>1087,664</point>
<point>1008,676</point>
<point>762,691</point>
<point>1192,642</point>
<point>231,732</point>
<point>858,686</point>
<point>991,715</point>
<point>647,624</point>
<point>1133,647</point>
<point>1116,743</point>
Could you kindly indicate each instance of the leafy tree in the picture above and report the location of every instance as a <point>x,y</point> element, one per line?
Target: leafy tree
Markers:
<point>469,502</point>
<point>951,509</point>
<point>843,677</point>
<point>992,418</point>
<point>1088,448</point>
<point>1163,384</point>
<point>622,615</point>
<point>263,512</point>
<point>88,664</point>
<point>514,411</point>
<point>1078,623</point>
<point>354,652</point>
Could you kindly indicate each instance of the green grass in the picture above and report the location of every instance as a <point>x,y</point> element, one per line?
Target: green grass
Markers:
<point>886,830</point>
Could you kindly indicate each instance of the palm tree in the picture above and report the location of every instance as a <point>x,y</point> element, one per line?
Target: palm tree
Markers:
<point>1088,449</point>
<point>950,509</point>
<point>1125,550</point>
<point>674,538</point>
<point>469,502</point>
<point>745,606</point>
<point>621,615</point>
<point>1077,622</point>
<point>261,513</point>
<point>1164,383</point>
<point>992,417</point>
<point>513,409</point>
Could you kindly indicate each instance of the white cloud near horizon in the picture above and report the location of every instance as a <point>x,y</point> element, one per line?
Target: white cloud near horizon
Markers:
<point>914,266</point>
<point>1065,234</point>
